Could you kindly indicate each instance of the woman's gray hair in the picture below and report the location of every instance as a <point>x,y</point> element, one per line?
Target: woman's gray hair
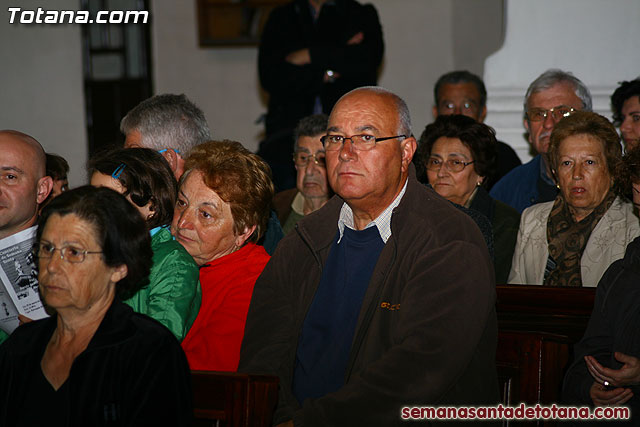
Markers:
<point>552,77</point>
<point>167,121</point>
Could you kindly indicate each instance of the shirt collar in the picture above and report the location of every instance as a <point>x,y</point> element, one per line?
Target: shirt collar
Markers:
<point>297,205</point>
<point>153,231</point>
<point>383,221</point>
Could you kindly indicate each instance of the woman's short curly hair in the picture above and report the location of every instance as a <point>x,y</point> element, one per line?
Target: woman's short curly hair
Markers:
<point>120,231</point>
<point>479,138</point>
<point>240,178</point>
<point>594,125</point>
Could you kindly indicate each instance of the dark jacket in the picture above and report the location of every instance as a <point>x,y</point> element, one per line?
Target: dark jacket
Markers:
<point>293,88</point>
<point>426,332</point>
<point>614,326</point>
<point>505,222</point>
<point>282,203</point>
<point>132,373</point>
<point>521,187</point>
<point>506,160</point>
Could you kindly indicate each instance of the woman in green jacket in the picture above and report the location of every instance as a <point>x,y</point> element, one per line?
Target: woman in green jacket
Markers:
<point>172,294</point>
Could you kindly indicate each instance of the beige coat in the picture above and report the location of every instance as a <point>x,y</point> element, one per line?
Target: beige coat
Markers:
<point>607,243</point>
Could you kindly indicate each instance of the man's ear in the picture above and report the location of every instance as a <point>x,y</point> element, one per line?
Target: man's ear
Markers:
<point>434,111</point>
<point>526,126</point>
<point>242,238</point>
<point>45,184</point>
<point>408,147</point>
<point>172,158</point>
<point>483,114</point>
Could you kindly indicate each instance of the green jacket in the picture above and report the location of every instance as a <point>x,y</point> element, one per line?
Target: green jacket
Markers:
<point>173,294</point>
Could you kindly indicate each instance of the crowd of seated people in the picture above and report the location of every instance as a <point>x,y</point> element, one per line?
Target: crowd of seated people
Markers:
<point>182,241</point>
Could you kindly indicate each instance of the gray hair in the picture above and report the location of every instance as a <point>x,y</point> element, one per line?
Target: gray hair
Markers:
<point>552,77</point>
<point>404,117</point>
<point>313,125</point>
<point>167,121</point>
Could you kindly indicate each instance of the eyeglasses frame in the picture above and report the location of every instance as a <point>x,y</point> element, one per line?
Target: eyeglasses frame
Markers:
<point>357,146</point>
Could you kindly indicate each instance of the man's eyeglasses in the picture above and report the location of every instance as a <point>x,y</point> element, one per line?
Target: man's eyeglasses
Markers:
<point>68,253</point>
<point>559,112</point>
<point>453,165</point>
<point>359,142</point>
<point>301,158</point>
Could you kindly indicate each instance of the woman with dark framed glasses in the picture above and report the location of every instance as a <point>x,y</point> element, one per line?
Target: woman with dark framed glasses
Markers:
<point>95,361</point>
<point>456,154</point>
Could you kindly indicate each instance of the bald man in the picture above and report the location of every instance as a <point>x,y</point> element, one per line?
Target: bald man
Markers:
<point>382,298</point>
<point>23,184</point>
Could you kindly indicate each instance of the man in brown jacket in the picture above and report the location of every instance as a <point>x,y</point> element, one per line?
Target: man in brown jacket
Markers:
<point>381,299</point>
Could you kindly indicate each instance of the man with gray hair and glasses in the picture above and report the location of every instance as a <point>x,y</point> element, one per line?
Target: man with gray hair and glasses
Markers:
<point>384,297</point>
<point>169,124</point>
<point>555,94</point>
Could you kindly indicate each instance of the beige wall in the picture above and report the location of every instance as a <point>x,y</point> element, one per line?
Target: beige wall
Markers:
<point>42,89</point>
<point>423,38</point>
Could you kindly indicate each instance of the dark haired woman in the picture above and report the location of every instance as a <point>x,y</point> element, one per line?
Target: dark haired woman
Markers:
<point>95,362</point>
<point>172,295</point>
<point>457,155</point>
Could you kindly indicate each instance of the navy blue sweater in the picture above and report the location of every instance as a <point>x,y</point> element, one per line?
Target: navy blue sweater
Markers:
<point>328,329</point>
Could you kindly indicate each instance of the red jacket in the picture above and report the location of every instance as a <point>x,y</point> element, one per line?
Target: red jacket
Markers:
<point>213,342</point>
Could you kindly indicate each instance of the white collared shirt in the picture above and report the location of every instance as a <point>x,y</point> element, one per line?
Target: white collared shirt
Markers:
<point>383,221</point>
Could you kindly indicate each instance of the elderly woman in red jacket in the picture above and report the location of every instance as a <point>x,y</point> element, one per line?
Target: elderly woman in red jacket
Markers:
<point>221,212</point>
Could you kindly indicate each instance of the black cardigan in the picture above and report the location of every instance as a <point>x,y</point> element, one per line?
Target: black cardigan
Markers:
<point>133,372</point>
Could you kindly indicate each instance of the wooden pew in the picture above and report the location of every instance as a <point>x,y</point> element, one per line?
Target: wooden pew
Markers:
<point>537,328</point>
<point>233,399</point>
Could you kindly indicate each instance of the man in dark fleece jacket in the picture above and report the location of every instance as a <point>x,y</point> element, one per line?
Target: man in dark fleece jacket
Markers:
<point>383,298</point>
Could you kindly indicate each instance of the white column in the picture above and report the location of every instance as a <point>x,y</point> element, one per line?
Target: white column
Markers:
<point>597,40</point>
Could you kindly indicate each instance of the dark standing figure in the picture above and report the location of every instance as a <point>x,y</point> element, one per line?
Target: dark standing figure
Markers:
<point>312,52</point>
